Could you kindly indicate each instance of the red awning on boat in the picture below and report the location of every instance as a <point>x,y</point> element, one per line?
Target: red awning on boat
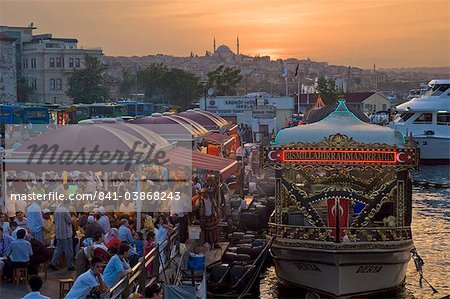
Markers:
<point>188,158</point>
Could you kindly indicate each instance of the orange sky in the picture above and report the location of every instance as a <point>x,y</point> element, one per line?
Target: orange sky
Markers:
<point>391,33</point>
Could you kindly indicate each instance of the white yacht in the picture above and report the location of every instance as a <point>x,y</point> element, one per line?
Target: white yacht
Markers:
<point>427,119</point>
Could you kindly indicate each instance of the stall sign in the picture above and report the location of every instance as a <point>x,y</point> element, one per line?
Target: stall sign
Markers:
<point>266,112</point>
<point>341,156</point>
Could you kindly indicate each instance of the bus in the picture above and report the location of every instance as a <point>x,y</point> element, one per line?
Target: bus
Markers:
<point>11,115</point>
<point>137,108</point>
<point>36,115</point>
<point>101,110</point>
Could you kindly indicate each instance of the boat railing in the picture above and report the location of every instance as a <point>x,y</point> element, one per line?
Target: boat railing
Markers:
<point>340,234</point>
<point>138,277</point>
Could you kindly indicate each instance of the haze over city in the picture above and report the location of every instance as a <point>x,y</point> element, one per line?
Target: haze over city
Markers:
<point>358,33</point>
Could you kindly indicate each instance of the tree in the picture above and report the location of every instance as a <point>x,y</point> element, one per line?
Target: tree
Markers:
<point>23,90</point>
<point>224,80</point>
<point>327,90</point>
<point>161,84</point>
<point>126,86</point>
<point>87,85</point>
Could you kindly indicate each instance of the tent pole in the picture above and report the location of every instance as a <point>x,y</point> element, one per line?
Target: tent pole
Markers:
<point>139,203</point>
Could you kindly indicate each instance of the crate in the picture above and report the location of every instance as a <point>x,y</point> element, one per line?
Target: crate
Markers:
<point>194,232</point>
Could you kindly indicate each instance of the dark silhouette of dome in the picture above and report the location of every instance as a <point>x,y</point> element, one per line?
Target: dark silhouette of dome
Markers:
<point>222,49</point>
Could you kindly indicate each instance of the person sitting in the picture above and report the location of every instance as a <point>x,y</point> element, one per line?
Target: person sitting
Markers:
<point>82,221</point>
<point>4,223</point>
<point>87,281</point>
<point>5,240</point>
<point>117,266</point>
<point>138,244</point>
<point>40,255</point>
<point>153,291</point>
<point>35,284</point>
<point>103,220</point>
<point>125,232</point>
<point>20,219</point>
<point>15,228</point>
<point>19,253</point>
<point>112,238</point>
<point>86,254</point>
<point>92,227</point>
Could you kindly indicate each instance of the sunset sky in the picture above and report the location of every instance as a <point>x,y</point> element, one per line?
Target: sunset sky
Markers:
<point>390,33</point>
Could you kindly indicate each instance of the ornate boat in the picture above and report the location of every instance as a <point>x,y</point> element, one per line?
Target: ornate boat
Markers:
<point>343,205</point>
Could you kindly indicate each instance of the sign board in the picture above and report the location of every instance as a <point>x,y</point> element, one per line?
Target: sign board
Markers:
<point>264,111</point>
<point>244,103</point>
<point>342,156</point>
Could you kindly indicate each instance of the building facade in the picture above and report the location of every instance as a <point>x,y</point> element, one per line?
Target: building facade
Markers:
<point>367,102</point>
<point>249,110</point>
<point>8,72</point>
<point>46,62</point>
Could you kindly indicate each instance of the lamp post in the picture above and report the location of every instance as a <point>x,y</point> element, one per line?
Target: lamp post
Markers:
<point>2,155</point>
<point>135,91</point>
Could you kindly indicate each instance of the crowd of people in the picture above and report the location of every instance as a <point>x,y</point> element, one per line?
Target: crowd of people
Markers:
<point>100,246</point>
<point>245,133</point>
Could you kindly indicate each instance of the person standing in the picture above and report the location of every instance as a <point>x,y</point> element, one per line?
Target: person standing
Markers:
<point>63,235</point>
<point>209,220</point>
<point>35,222</point>
<point>49,227</point>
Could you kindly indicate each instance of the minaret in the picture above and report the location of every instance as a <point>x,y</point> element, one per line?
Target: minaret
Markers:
<point>237,44</point>
<point>214,45</point>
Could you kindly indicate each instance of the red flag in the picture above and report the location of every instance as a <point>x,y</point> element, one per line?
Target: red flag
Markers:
<point>338,207</point>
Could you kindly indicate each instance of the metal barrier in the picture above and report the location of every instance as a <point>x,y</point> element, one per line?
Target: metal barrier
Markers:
<point>137,278</point>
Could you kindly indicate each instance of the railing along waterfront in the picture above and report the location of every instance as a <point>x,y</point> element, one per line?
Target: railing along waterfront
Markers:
<point>354,234</point>
<point>138,276</point>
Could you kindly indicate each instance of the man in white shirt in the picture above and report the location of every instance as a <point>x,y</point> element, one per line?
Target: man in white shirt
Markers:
<point>87,281</point>
<point>35,284</point>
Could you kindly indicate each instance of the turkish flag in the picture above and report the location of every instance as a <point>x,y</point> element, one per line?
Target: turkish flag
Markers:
<point>338,207</point>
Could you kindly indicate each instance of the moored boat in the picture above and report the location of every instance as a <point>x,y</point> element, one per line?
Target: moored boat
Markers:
<point>427,119</point>
<point>341,224</point>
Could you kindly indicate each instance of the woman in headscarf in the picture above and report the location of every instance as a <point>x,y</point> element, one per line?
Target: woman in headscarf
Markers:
<point>112,238</point>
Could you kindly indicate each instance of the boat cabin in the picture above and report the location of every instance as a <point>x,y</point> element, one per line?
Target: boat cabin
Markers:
<point>341,180</point>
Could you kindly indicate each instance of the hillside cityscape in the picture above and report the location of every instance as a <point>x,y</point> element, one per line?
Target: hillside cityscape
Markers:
<point>26,56</point>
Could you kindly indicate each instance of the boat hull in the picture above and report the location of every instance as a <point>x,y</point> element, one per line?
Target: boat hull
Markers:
<point>433,150</point>
<point>342,272</point>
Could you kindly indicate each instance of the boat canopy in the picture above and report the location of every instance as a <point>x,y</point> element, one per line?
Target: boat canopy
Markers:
<point>340,121</point>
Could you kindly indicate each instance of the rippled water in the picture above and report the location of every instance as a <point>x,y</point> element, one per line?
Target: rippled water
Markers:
<point>431,234</point>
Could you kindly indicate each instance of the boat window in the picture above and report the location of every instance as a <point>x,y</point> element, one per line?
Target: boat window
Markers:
<point>405,116</point>
<point>424,118</point>
<point>443,119</point>
<point>439,89</point>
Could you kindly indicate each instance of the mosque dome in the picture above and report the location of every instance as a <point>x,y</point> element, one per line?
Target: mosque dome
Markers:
<point>223,50</point>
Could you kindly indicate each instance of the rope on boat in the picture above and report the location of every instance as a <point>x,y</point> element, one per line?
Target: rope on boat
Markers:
<point>430,185</point>
<point>418,261</point>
